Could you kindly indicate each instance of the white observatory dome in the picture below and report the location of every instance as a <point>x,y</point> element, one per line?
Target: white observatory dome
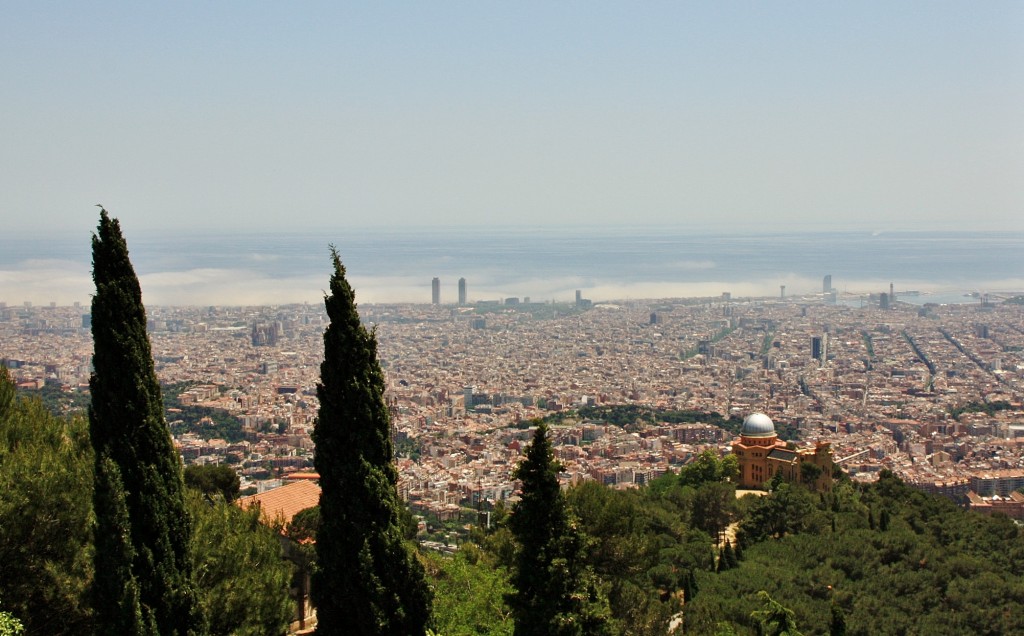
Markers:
<point>758,425</point>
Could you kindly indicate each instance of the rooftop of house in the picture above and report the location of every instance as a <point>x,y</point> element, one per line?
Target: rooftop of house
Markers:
<point>284,502</point>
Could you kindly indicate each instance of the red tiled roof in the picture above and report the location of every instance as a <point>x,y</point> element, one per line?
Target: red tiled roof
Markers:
<point>284,502</point>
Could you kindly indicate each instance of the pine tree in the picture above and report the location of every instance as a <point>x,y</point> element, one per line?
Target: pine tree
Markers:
<point>368,580</point>
<point>46,515</point>
<point>556,594</point>
<point>141,519</point>
<point>773,619</point>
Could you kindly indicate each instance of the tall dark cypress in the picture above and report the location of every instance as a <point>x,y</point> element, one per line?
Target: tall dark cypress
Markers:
<point>556,593</point>
<point>139,492</point>
<point>368,581</point>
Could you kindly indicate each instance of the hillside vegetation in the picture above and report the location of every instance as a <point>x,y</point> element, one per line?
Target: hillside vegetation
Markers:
<point>874,559</point>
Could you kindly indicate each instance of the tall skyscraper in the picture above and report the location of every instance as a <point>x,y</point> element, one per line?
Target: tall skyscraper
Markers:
<point>826,284</point>
<point>819,348</point>
<point>462,291</point>
<point>435,291</point>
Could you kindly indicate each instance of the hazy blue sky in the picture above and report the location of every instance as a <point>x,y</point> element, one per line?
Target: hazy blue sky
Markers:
<point>712,114</point>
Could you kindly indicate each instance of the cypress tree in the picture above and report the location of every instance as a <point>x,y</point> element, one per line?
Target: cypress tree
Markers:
<point>556,594</point>
<point>115,589</point>
<point>691,586</point>
<point>141,521</point>
<point>727,558</point>
<point>837,622</point>
<point>730,555</point>
<point>368,580</point>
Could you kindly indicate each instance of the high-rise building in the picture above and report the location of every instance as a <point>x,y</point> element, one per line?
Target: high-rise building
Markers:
<point>579,296</point>
<point>462,291</point>
<point>883,301</point>
<point>435,291</point>
<point>782,291</point>
<point>819,348</point>
<point>826,284</point>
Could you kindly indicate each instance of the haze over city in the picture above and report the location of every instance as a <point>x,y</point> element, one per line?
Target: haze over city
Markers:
<point>718,116</point>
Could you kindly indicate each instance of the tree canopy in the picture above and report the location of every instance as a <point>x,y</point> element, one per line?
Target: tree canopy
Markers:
<point>241,576</point>
<point>45,515</point>
<point>219,479</point>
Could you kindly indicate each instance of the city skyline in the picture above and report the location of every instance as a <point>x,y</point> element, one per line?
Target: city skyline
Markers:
<point>206,268</point>
<point>226,268</point>
<point>711,116</point>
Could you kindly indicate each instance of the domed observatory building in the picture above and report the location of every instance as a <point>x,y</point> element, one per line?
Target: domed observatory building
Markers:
<point>761,456</point>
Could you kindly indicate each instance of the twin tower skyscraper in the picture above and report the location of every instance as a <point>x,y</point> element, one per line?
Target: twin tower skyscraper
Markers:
<point>435,291</point>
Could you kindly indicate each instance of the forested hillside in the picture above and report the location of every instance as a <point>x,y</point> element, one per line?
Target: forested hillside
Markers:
<point>875,559</point>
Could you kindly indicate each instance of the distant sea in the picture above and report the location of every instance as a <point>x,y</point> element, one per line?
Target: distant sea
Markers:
<point>543,264</point>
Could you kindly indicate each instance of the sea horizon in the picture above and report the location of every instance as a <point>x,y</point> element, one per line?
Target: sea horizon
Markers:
<point>606,263</point>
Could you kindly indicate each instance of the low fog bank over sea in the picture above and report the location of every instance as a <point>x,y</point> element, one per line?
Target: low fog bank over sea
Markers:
<point>396,265</point>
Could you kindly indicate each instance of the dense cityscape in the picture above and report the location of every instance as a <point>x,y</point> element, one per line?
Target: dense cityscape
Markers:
<point>931,392</point>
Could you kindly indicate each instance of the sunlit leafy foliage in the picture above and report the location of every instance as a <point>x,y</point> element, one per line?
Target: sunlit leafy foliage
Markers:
<point>934,568</point>
<point>45,515</point>
<point>469,594</point>
<point>240,574</point>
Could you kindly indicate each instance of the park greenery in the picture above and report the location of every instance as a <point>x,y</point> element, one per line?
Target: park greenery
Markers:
<point>882,558</point>
<point>635,416</point>
<point>202,420</point>
<point>625,415</point>
<point>988,408</point>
